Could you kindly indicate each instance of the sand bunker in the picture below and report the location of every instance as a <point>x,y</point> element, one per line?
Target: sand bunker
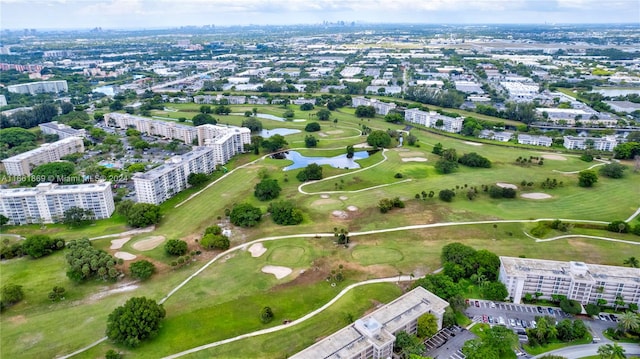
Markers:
<point>335,132</point>
<point>299,120</point>
<point>343,198</point>
<point>257,250</point>
<point>400,149</point>
<point>352,208</point>
<point>554,157</point>
<point>118,243</point>
<point>536,195</point>
<point>278,271</point>
<point>411,154</point>
<point>506,185</point>
<point>340,214</point>
<point>322,134</point>
<point>125,255</point>
<point>149,243</point>
<point>324,196</point>
<point>324,202</point>
<point>361,145</point>
<point>414,159</point>
<point>472,143</point>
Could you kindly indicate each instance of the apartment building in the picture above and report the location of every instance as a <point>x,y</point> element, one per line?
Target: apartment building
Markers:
<point>22,164</point>
<point>47,202</point>
<point>171,130</point>
<point>163,182</point>
<point>382,108</point>
<point>525,139</point>
<point>502,136</point>
<point>585,283</point>
<point>225,141</point>
<point>62,130</point>
<point>373,336</point>
<point>433,119</point>
<point>34,88</point>
<point>607,143</point>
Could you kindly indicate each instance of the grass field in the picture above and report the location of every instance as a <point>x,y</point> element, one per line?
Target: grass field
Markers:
<point>225,299</point>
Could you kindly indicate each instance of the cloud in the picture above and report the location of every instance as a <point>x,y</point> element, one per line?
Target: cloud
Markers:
<point>113,8</point>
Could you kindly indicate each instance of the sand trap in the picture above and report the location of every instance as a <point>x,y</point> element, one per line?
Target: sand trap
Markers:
<point>149,243</point>
<point>361,145</point>
<point>536,195</point>
<point>352,208</point>
<point>506,185</point>
<point>411,154</point>
<point>278,271</point>
<point>324,202</point>
<point>343,198</point>
<point>324,196</point>
<point>257,250</point>
<point>322,134</point>
<point>414,159</point>
<point>299,120</point>
<point>472,143</point>
<point>401,150</point>
<point>118,243</point>
<point>335,132</point>
<point>340,214</point>
<point>125,255</point>
<point>554,157</point>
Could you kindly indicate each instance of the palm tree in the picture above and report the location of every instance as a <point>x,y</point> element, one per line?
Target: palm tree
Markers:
<point>628,321</point>
<point>611,351</point>
<point>632,262</point>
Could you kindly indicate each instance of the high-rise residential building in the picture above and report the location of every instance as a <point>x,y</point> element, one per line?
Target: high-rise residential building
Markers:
<point>382,108</point>
<point>433,119</point>
<point>225,141</point>
<point>35,88</point>
<point>373,336</point>
<point>585,283</point>
<point>62,130</point>
<point>607,143</point>
<point>47,202</point>
<point>22,164</point>
<point>170,130</point>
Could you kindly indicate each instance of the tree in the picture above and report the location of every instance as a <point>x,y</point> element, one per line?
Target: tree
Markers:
<point>143,214</point>
<point>253,124</point>
<point>267,189</point>
<point>407,345</point>
<point>632,262</point>
<point>142,269</point>
<point>592,309</point>
<point>112,354</point>
<point>310,141</point>
<point>611,351</point>
<point>379,139</point>
<point>587,178</point>
<point>285,213</point>
<point>138,319</point>
<point>75,216</point>
<point>11,294</point>
<point>628,322</point>
<point>365,111</point>
<point>86,262</point>
<point>196,179</point>
<point>437,149</point>
<point>56,294</point>
<point>245,215</point>
<point>323,115</point>
<point>495,291</point>
<point>175,247</point>
<point>15,136</point>
<point>306,106</point>
<point>205,109</point>
<point>613,170</point>
<point>427,325</point>
<point>53,172</point>
<point>350,151</point>
<point>274,143</point>
<point>444,166</point>
<point>446,195</point>
<point>312,127</point>
<point>474,160</point>
<point>310,173</point>
<point>440,285</point>
<point>3,220</point>
<point>502,339</point>
<point>266,315</point>
<point>570,306</point>
<point>203,119</point>
<point>215,241</point>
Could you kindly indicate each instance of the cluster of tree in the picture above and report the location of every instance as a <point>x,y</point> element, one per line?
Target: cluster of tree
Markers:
<point>394,117</point>
<point>474,160</point>
<point>77,216</point>
<point>550,183</point>
<point>526,162</point>
<point>323,115</point>
<point>86,262</point>
<point>138,319</point>
<point>310,173</point>
<point>245,215</point>
<point>267,189</point>
<point>253,124</point>
<point>432,96</point>
<point>274,143</point>
<point>612,351</point>
<point>448,161</point>
<point>196,179</point>
<point>387,204</point>
<point>203,119</point>
<point>587,178</point>
<point>310,141</point>
<point>472,126</point>
<point>30,118</point>
<point>142,269</point>
<point>312,127</point>
<point>379,139</point>
<point>10,250</point>
<point>408,345</point>
<point>15,140</point>
<point>613,170</point>
<point>628,326</point>
<point>460,262</point>
<point>56,172</point>
<point>139,214</point>
<point>494,343</point>
<point>342,235</point>
<point>175,247</point>
<point>40,245</point>
<point>501,192</point>
<point>214,239</point>
<point>627,151</point>
<point>365,111</point>
<point>285,213</point>
<point>306,107</point>
<point>546,331</point>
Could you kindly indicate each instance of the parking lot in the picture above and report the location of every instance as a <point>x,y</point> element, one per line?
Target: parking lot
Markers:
<point>446,344</point>
<point>515,316</point>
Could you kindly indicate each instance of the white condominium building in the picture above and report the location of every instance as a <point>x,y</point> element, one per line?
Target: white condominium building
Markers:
<point>373,336</point>
<point>34,88</point>
<point>382,108</point>
<point>430,119</point>
<point>60,129</point>
<point>607,143</point>
<point>151,127</point>
<point>22,164</point>
<point>47,202</point>
<point>585,283</point>
<point>225,141</point>
<point>163,182</point>
<point>525,139</point>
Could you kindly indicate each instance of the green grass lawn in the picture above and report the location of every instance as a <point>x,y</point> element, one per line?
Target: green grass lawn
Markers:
<point>536,350</point>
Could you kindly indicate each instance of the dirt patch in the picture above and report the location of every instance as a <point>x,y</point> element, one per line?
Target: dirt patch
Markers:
<point>324,196</point>
<point>343,198</point>
<point>118,243</point>
<point>121,289</point>
<point>401,150</point>
<point>472,143</point>
<point>411,154</point>
<point>537,195</point>
<point>257,250</point>
<point>278,271</point>
<point>340,214</point>
<point>352,208</point>
<point>362,145</point>
<point>414,159</point>
<point>554,157</point>
<point>149,243</point>
<point>18,319</point>
<point>335,132</point>
<point>322,134</point>
<point>321,202</point>
<point>506,185</point>
<point>125,256</point>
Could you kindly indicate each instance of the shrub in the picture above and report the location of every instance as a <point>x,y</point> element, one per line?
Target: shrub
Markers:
<point>175,247</point>
<point>267,189</point>
<point>312,127</point>
<point>142,269</point>
<point>285,213</point>
<point>618,227</point>
<point>245,215</point>
<point>312,172</point>
<point>474,160</point>
<point>215,241</point>
<point>613,170</point>
<point>11,294</point>
<point>446,195</point>
<point>266,315</point>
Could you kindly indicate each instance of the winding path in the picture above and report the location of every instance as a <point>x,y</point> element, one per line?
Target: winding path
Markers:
<point>580,236</point>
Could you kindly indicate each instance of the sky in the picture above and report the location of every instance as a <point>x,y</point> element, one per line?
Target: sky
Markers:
<point>61,14</point>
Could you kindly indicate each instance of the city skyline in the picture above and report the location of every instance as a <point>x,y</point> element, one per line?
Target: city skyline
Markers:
<point>74,14</point>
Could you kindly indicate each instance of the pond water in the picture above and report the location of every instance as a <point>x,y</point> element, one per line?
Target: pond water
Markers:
<point>617,92</point>
<point>277,131</point>
<point>341,161</point>
<point>269,117</point>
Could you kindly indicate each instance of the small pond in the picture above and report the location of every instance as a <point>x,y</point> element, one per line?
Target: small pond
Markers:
<point>341,161</point>
<point>269,117</point>
<point>277,131</point>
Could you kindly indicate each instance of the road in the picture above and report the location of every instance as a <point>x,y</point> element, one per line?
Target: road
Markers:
<point>581,351</point>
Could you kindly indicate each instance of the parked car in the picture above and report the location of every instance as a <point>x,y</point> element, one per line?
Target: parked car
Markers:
<point>550,310</point>
<point>540,310</point>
